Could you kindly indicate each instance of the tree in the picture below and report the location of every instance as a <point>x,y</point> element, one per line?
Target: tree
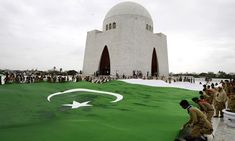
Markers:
<point>203,74</point>
<point>222,74</point>
<point>72,72</point>
<point>211,75</point>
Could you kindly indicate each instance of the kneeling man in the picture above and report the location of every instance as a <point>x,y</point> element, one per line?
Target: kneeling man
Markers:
<point>198,123</point>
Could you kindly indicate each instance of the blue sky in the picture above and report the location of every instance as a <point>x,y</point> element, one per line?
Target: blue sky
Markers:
<point>41,34</point>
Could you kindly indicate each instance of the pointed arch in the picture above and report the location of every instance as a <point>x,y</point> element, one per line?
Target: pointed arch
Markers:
<point>104,67</point>
<point>154,66</point>
<point>114,25</point>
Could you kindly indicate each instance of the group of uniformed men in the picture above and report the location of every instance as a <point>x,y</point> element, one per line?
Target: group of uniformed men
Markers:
<point>211,102</point>
<point>98,80</point>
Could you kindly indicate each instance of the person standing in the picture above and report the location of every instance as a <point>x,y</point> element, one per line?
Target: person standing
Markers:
<point>219,102</point>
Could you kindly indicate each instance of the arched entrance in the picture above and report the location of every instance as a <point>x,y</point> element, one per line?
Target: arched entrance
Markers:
<point>154,67</point>
<point>104,67</point>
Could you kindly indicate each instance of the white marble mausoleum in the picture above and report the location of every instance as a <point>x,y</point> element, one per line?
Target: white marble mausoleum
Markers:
<point>127,43</point>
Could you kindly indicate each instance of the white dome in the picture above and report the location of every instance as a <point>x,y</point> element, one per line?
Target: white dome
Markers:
<point>128,8</point>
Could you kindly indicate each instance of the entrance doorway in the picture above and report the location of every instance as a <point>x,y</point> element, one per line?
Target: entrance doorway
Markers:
<point>104,67</point>
<point>154,67</point>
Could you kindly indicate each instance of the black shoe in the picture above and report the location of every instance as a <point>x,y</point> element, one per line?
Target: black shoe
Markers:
<point>215,116</point>
<point>221,116</point>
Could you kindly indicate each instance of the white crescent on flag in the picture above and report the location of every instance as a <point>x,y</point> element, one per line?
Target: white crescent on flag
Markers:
<point>118,96</point>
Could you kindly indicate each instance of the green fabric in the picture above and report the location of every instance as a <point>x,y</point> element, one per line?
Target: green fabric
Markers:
<point>146,113</point>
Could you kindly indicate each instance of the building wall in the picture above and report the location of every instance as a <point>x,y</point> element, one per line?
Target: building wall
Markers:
<point>130,46</point>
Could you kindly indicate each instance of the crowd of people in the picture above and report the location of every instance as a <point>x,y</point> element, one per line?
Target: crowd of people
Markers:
<point>98,79</point>
<point>10,78</point>
<point>211,101</point>
<point>54,76</point>
<point>60,77</point>
<point>30,77</point>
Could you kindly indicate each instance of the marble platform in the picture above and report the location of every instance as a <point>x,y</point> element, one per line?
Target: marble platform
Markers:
<point>222,132</point>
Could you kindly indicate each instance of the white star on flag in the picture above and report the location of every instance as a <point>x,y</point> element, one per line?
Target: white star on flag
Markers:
<point>77,104</point>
